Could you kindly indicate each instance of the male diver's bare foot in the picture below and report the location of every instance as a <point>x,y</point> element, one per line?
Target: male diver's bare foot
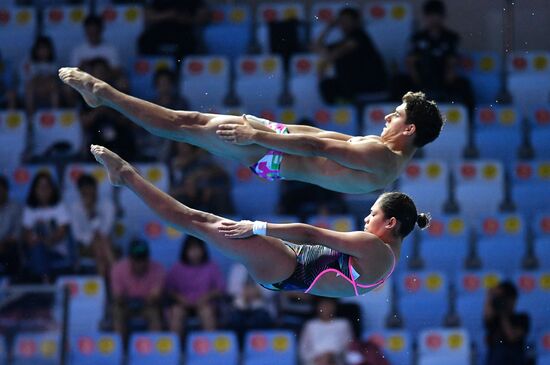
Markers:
<point>112,162</point>
<point>84,83</point>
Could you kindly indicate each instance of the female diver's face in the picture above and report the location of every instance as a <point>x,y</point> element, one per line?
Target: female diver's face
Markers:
<point>376,222</point>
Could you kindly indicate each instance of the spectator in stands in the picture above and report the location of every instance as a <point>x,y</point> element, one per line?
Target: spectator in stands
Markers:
<point>10,231</point>
<point>95,47</point>
<point>92,219</point>
<point>198,180</point>
<point>433,59</point>
<point>137,284</point>
<point>506,330</point>
<point>325,339</point>
<point>252,304</point>
<point>40,77</point>
<point>358,65</point>
<point>170,27</point>
<point>103,125</point>
<point>193,284</point>
<point>45,228</point>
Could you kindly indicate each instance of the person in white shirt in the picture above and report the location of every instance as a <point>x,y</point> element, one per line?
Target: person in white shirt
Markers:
<point>92,221</point>
<point>95,47</point>
<point>325,339</point>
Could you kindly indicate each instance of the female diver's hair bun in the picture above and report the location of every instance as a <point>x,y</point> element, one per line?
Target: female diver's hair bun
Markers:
<point>423,220</point>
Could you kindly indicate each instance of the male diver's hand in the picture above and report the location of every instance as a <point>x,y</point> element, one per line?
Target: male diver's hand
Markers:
<point>242,229</point>
<point>240,134</point>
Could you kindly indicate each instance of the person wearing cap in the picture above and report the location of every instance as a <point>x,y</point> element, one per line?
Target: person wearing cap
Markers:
<point>137,284</point>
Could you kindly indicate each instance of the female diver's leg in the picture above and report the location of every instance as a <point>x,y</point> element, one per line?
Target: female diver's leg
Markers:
<point>268,259</point>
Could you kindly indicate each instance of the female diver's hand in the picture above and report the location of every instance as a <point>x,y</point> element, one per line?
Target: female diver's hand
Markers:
<point>242,229</point>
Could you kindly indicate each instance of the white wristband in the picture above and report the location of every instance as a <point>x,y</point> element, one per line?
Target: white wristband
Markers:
<point>259,228</point>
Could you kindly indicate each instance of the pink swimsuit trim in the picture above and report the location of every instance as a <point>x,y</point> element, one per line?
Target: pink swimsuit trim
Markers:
<point>352,280</point>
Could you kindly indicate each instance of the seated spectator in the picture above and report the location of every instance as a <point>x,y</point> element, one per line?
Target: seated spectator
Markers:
<point>325,339</point>
<point>433,59</point>
<point>506,330</point>
<point>40,77</point>
<point>10,231</point>
<point>45,228</point>
<point>137,284</point>
<point>252,304</point>
<point>170,27</point>
<point>198,180</point>
<point>358,66</point>
<point>92,220</point>
<point>94,46</point>
<point>193,284</point>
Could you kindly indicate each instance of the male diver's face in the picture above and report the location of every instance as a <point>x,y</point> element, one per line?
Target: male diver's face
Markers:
<point>396,122</point>
<point>376,221</point>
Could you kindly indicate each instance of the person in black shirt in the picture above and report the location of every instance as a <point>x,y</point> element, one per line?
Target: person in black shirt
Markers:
<point>358,66</point>
<point>506,330</point>
<point>432,60</point>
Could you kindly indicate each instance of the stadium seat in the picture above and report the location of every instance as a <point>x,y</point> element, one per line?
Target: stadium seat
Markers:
<point>13,138</point>
<point>123,25</point>
<point>543,347</point>
<point>164,240</point>
<point>527,69</point>
<point>534,291</point>
<point>427,183</point>
<point>278,12</point>
<point>36,348</point>
<point>20,179</point>
<point>479,188</point>
<point>64,24</point>
<point>397,345</point>
<point>390,25</point>
<point>153,348</point>
<point>280,115</point>
<point>422,299</point>
<point>212,348</point>
<point>18,26</point>
<point>341,223</point>
<point>87,295</point>
<point>55,129</point>
<point>530,181</point>
<point>450,145</point>
<point>375,306</point>
<point>204,81</point>
<point>444,346</point>
<point>73,172</point>
<point>142,74</point>
<point>229,32</point>
<point>498,132</point>
<point>501,242</point>
<point>93,349</point>
<point>542,240</point>
<point>259,81</point>
<point>444,245</point>
<point>539,123</point>
<point>324,13</point>
<point>373,117</point>
<point>483,70</point>
<point>303,81</point>
<point>272,347</point>
<point>341,119</point>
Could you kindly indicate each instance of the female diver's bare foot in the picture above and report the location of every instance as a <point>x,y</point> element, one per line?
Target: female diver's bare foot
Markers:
<point>112,162</point>
<point>84,83</point>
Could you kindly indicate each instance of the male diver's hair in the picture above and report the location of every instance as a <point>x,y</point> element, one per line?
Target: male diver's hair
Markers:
<point>425,115</point>
<point>402,207</point>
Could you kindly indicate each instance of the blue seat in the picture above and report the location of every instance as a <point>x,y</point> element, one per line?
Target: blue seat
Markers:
<point>323,13</point>
<point>212,348</point>
<point>539,123</point>
<point>277,12</point>
<point>36,348</point>
<point>450,145</point>
<point>92,349</point>
<point>142,73</point>
<point>340,223</point>
<point>444,346</point>
<point>530,181</point>
<point>64,24</point>
<point>483,69</point>
<point>423,299</point>
<point>501,242</point>
<point>543,347</point>
<point>230,30</point>
<point>375,307</point>
<point>498,132</point>
<point>444,245</point>
<point>53,127</point>
<point>21,177</point>
<point>303,81</point>
<point>427,183</point>
<point>286,115</point>
<point>259,81</point>
<point>74,170</point>
<point>397,345</point>
<point>164,240</point>
<point>527,69</point>
<point>341,119</point>
<point>542,240</point>
<point>479,188</point>
<point>205,81</point>
<point>13,138</point>
<point>270,348</point>
<point>534,290</point>
<point>373,117</point>
<point>18,27</point>
<point>153,348</point>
